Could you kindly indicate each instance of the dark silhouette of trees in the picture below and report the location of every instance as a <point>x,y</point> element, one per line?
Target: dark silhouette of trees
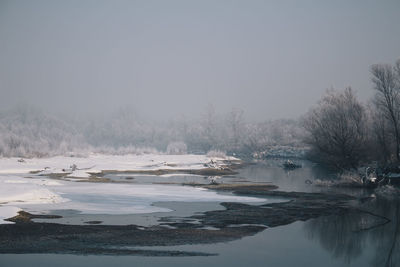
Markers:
<point>386,79</point>
<point>337,129</point>
<point>380,143</point>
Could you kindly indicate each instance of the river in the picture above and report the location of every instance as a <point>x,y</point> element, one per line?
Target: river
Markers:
<point>360,239</point>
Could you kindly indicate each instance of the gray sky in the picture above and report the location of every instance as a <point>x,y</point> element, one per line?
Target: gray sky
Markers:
<point>273,59</point>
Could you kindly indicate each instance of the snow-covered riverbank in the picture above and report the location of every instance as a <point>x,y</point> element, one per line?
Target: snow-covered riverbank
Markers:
<point>96,163</point>
<point>26,184</point>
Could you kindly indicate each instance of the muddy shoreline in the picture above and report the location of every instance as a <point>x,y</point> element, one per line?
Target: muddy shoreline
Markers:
<point>236,221</point>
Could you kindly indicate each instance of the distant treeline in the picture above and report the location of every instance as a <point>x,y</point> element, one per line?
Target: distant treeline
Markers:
<point>31,132</point>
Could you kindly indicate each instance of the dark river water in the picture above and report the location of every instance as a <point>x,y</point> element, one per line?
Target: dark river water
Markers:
<point>348,240</point>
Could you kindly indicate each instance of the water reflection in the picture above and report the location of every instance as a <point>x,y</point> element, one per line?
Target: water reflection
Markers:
<point>288,180</point>
<point>268,171</point>
<point>350,235</point>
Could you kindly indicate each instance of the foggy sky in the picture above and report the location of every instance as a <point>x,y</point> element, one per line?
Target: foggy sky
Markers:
<point>273,59</point>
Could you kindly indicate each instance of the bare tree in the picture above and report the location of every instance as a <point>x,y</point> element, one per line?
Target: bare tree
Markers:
<point>236,126</point>
<point>381,143</point>
<point>337,129</point>
<point>212,130</point>
<point>386,81</point>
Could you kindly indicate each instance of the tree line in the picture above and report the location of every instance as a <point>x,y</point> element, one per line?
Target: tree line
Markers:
<point>27,131</point>
<point>344,133</point>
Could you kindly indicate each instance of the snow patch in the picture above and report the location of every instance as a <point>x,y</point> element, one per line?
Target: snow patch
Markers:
<point>95,163</point>
<point>7,212</point>
<point>22,190</point>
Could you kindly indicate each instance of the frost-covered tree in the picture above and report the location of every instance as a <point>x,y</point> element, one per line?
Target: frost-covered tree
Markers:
<point>236,129</point>
<point>209,127</point>
<point>177,148</point>
<point>29,132</point>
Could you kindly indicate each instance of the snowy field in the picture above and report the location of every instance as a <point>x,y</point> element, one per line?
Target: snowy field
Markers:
<point>40,194</point>
<point>96,163</point>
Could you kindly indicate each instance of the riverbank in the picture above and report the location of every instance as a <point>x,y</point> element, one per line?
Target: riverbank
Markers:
<point>97,165</point>
<point>124,218</point>
<point>235,221</point>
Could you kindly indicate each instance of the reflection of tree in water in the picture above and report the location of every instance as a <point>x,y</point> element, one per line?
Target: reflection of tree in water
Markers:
<point>348,235</point>
<point>333,234</point>
<point>387,238</point>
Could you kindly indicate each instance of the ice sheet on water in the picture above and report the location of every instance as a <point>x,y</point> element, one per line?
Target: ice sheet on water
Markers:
<point>42,196</point>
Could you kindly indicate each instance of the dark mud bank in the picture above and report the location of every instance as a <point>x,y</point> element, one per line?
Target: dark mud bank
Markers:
<point>236,221</point>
